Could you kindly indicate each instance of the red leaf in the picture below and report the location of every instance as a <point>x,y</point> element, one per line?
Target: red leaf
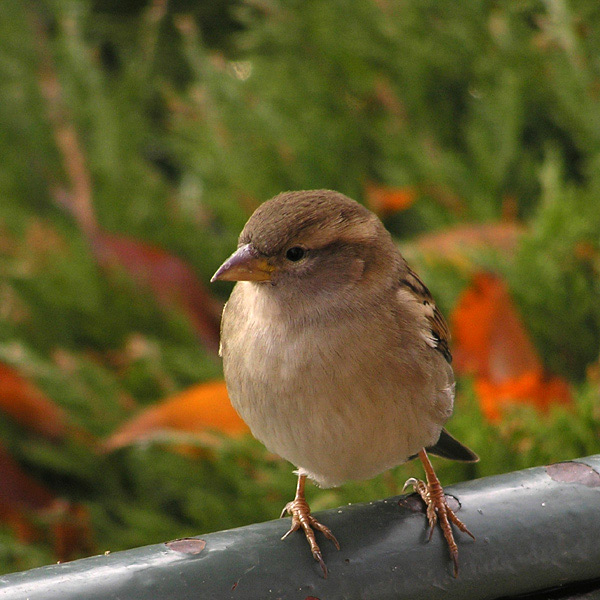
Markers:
<point>29,406</point>
<point>171,279</point>
<point>71,530</point>
<point>18,491</point>
<point>33,511</point>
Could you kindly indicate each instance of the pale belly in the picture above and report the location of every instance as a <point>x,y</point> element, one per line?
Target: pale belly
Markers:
<point>332,403</point>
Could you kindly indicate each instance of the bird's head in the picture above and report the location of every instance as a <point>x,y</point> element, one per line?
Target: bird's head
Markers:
<point>311,243</point>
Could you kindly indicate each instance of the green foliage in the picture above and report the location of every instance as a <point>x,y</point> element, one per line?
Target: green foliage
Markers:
<point>560,257</point>
<point>183,127</point>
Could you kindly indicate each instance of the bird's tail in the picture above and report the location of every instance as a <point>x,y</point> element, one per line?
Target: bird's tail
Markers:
<point>449,447</point>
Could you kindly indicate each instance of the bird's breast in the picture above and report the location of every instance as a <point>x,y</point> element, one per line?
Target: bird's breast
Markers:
<point>340,400</point>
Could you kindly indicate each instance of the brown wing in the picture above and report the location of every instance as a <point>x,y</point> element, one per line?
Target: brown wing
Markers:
<point>440,334</point>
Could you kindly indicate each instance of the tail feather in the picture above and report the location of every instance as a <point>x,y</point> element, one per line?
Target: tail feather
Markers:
<point>449,447</point>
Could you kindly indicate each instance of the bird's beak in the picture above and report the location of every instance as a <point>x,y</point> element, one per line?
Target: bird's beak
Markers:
<point>245,264</point>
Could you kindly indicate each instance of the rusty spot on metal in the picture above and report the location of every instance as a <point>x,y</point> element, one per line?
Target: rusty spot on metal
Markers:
<point>187,545</point>
<point>415,503</point>
<point>574,472</point>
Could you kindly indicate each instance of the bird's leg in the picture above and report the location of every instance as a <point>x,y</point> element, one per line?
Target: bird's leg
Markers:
<point>437,507</point>
<point>302,519</point>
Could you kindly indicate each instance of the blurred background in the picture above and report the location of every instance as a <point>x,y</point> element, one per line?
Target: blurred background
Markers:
<point>137,136</point>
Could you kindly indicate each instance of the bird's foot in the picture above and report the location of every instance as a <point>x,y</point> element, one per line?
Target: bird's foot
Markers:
<point>438,510</point>
<point>302,519</point>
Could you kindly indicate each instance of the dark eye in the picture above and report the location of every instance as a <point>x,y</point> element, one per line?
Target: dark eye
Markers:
<point>296,253</point>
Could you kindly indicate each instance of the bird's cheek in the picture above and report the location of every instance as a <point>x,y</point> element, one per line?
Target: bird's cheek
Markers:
<point>357,269</point>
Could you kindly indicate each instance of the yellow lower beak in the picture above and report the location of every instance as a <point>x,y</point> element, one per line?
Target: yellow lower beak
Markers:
<point>245,264</point>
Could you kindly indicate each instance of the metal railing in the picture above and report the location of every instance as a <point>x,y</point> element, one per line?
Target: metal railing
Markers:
<point>536,530</point>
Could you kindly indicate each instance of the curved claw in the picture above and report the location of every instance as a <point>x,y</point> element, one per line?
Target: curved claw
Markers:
<point>411,481</point>
<point>286,511</point>
<point>319,558</point>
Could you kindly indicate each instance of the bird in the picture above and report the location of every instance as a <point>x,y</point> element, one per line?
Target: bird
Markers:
<point>335,353</point>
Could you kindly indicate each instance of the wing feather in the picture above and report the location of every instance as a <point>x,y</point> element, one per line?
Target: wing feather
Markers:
<point>438,335</point>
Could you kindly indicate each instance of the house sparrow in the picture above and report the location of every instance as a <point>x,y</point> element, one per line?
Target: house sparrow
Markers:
<point>335,353</point>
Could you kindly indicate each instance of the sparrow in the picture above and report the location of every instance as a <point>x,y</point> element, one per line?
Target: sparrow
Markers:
<point>335,354</point>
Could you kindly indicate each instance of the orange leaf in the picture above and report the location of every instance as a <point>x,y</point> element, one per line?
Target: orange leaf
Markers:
<point>30,407</point>
<point>172,280</point>
<point>457,245</point>
<point>492,343</point>
<point>530,388</point>
<point>201,409</point>
<point>385,200</point>
<point>490,339</point>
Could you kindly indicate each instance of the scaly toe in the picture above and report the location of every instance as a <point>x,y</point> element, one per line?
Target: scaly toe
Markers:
<point>302,519</point>
<point>439,512</point>
<point>452,516</point>
<point>295,526</point>
<point>324,530</point>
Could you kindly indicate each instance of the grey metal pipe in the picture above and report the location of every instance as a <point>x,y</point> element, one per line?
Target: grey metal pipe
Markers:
<point>536,529</point>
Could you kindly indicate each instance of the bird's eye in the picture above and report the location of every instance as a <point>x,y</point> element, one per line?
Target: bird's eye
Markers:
<point>295,253</point>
